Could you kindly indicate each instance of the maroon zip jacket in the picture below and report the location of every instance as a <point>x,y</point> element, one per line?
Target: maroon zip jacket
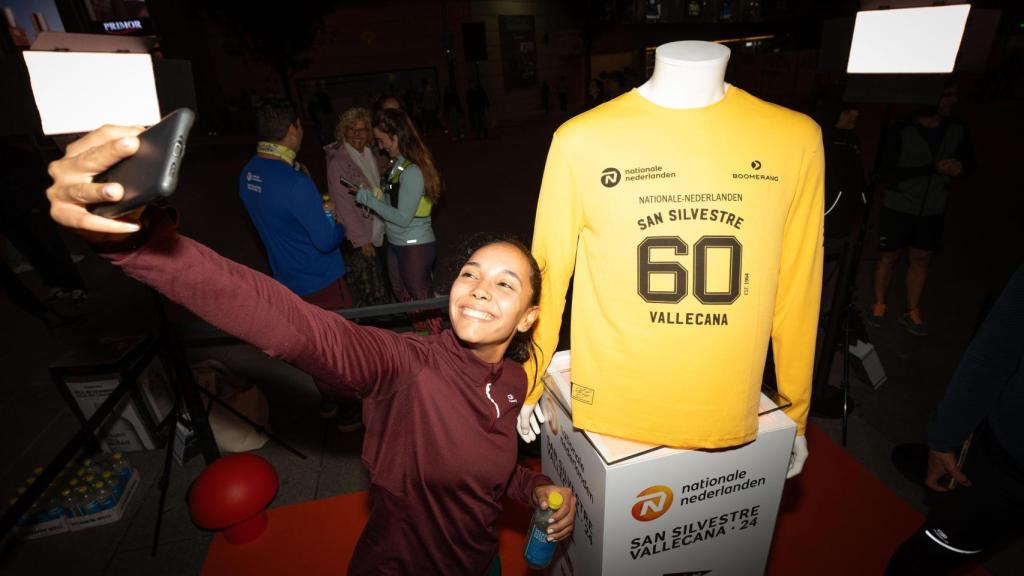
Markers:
<point>440,440</point>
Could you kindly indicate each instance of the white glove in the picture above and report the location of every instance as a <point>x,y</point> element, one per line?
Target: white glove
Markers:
<point>797,457</point>
<point>530,420</point>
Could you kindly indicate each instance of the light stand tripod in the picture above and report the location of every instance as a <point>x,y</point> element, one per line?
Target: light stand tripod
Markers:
<point>187,402</point>
<point>839,322</point>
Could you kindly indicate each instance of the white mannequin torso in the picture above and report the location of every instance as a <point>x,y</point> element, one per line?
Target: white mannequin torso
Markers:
<point>687,74</point>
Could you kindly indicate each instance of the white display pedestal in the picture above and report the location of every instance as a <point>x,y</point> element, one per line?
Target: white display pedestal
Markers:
<point>647,510</point>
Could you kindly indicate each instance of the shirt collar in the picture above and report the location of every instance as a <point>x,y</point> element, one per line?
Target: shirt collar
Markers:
<point>476,369</point>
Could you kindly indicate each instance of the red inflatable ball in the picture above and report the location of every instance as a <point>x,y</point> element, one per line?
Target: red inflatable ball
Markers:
<point>232,495</point>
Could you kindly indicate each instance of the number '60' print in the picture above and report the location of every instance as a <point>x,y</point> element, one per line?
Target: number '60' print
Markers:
<point>646,269</point>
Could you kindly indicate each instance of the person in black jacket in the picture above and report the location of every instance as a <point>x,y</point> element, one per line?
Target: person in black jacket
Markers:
<point>986,397</point>
<point>845,200</point>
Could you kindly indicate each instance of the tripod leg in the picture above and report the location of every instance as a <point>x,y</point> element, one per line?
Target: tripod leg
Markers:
<point>846,371</point>
<point>165,474</point>
<point>186,384</point>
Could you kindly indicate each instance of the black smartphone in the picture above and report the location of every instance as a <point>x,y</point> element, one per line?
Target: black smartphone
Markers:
<point>348,184</point>
<point>152,173</point>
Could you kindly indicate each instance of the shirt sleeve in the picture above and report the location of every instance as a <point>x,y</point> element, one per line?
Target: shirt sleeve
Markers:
<point>410,191</point>
<point>992,358</point>
<point>257,309</point>
<point>798,297</point>
<point>556,232</point>
<point>522,484</point>
<point>309,211</point>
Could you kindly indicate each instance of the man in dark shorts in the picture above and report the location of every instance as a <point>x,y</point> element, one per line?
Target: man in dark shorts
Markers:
<point>920,161</point>
<point>900,230</point>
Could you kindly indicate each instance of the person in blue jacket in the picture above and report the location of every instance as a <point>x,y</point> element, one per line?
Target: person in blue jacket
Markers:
<point>297,227</point>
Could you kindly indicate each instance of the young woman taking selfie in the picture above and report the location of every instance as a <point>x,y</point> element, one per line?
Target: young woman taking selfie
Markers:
<point>440,411</point>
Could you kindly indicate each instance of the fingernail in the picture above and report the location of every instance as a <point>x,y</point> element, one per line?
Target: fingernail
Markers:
<point>110,191</point>
<point>125,142</point>
<point>550,530</point>
<point>550,539</point>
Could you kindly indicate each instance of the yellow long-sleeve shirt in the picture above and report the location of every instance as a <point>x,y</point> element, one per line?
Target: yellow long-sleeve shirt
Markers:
<point>695,236</point>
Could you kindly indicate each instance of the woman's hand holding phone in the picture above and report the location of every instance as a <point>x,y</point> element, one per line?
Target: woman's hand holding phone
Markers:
<point>352,188</point>
<point>73,189</point>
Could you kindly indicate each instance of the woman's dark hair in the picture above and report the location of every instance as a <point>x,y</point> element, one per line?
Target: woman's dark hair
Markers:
<point>396,123</point>
<point>522,348</point>
<point>378,104</point>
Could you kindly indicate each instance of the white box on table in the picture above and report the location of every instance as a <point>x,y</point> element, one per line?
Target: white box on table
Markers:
<point>644,509</point>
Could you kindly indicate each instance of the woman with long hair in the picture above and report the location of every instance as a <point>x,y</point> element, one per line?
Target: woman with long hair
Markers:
<point>410,189</point>
<point>351,158</point>
<point>440,411</point>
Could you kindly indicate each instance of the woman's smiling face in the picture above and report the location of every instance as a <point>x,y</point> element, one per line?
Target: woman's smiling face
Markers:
<point>490,300</point>
<point>358,134</point>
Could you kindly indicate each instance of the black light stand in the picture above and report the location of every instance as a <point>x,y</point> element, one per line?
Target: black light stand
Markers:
<point>187,398</point>
<point>844,309</point>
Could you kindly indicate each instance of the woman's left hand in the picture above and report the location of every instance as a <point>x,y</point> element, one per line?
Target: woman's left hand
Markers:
<point>562,520</point>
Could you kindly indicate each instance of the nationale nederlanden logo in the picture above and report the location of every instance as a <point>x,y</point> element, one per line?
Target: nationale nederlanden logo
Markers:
<point>652,503</point>
<point>610,177</point>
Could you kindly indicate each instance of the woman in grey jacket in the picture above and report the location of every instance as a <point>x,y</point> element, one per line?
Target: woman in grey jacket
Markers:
<point>409,191</point>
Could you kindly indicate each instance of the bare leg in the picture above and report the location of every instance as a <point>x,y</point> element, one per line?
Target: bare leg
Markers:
<point>917,274</point>
<point>883,273</point>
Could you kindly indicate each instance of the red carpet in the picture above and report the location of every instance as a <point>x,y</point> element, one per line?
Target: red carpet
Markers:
<point>836,519</point>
